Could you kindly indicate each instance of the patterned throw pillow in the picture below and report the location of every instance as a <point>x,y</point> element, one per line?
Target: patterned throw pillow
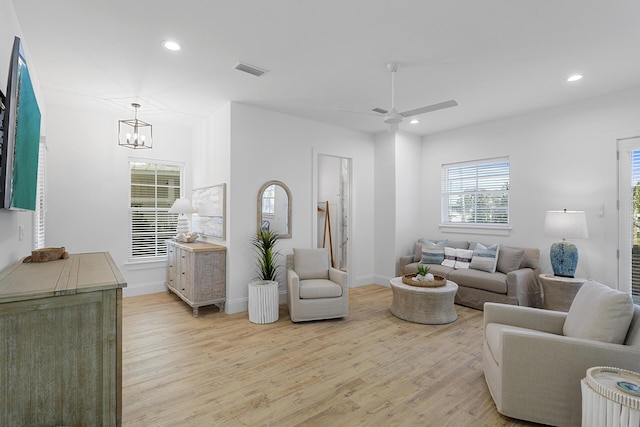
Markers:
<point>484,258</point>
<point>432,253</point>
<point>463,258</point>
<point>449,257</point>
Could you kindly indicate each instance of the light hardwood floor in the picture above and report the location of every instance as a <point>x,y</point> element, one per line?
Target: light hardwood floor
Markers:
<point>369,369</point>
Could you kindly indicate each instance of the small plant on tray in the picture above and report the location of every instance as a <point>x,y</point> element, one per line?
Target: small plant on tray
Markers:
<point>423,273</point>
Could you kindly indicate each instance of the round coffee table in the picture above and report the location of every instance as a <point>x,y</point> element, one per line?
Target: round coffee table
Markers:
<point>431,306</point>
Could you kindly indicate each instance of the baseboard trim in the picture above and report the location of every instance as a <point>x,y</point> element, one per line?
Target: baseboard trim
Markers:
<point>143,289</point>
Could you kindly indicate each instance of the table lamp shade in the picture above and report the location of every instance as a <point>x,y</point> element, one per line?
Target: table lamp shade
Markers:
<point>182,206</point>
<point>565,224</point>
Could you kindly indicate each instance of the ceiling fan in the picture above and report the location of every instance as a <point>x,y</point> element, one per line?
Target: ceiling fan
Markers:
<point>393,117</point>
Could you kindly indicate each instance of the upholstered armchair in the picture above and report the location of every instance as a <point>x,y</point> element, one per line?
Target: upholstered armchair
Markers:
<point>315,290</point>
<point>534,359</point>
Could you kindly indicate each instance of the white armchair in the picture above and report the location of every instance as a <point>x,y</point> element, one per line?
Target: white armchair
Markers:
<point>315,290</point>
<point>534,359</point>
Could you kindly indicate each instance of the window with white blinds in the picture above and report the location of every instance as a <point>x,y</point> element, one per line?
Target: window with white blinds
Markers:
<point>154,186</point>
<point>41,206</point>
<point>476,192</point>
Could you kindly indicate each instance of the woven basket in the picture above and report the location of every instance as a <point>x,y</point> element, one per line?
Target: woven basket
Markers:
<point>438,281</point>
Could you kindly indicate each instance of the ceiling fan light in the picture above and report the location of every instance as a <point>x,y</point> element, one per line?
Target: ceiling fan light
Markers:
<point>574,78</point>
<point>393,120</point>
<point>171,45</point>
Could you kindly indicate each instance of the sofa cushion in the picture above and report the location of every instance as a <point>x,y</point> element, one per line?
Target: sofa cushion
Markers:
<point>456,244</point>
<point>432,253</point>
<point>485,258</point>
<point>492,282</point>
<point>449,257</point>
<point>509,259</point>
<point>531,258</point>
<point>311,264</point>
<point>599,313</point>
<point>319,288</point>
<point>463,258</point>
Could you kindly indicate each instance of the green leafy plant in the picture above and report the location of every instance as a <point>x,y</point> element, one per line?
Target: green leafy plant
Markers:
<point>423,270</point>
<point>265,242</point>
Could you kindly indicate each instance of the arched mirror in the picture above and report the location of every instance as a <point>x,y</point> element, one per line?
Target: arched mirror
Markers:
<point>274,208</point>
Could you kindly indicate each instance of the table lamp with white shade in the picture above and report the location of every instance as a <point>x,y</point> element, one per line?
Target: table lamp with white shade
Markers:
<point>182,207</point>
<point>563,254</point>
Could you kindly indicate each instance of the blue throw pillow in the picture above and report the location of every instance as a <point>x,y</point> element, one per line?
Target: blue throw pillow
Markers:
<point>432,253</point>
<point>485,259</point>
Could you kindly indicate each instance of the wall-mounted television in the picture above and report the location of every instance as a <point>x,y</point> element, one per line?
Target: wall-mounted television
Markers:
<point>20,137</point>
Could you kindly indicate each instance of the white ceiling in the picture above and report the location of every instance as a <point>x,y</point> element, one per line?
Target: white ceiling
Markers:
<point>495,57</point>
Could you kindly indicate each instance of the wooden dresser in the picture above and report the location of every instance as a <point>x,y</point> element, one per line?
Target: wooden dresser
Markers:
<point>196,272</point>
<point>61,342</point>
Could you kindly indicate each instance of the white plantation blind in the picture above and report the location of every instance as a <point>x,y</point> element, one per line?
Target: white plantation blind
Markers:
<point>476,192</point>
<point>154,186</point>
<point>41,206</point>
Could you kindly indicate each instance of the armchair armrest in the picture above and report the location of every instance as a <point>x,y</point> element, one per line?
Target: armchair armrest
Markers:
<point>550,363</point>
<point>293,284</point>
<point>525,286</point>
<point>338,276</point>
<point>524,317</point>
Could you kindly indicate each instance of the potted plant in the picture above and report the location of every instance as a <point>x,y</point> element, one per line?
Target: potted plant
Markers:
<point>263,292</point>
<point>423,273</point>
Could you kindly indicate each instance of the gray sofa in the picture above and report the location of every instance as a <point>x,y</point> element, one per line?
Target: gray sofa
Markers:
<point>510,284</point>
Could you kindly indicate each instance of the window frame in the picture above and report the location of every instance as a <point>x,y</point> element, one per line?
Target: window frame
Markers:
<point>480,165</point>
<point>160,254</point>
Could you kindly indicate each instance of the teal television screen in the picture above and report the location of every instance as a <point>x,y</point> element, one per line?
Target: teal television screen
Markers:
<point>21,137</point>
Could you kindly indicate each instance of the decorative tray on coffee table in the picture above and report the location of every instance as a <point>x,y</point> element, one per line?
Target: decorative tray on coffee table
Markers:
<point>410,279</point>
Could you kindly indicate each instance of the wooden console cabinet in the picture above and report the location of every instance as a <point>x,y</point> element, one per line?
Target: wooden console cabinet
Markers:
<point>61,342</point>
<point>196,272</point>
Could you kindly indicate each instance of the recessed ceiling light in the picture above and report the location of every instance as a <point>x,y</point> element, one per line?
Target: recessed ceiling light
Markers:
<point>574,78</point>
<point>414,121</point>
<point>171,45</point>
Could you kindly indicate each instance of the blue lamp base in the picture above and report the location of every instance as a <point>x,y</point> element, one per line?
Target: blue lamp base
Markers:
<point>564,258</point>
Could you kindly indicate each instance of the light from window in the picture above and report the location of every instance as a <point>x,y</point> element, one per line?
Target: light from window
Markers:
<point>154,186</point>
<point>41,207</point>
<point>269,200</point>
<point>476,192</point>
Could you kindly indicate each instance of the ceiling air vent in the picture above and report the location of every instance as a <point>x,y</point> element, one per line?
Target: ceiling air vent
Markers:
<point>254,71</point>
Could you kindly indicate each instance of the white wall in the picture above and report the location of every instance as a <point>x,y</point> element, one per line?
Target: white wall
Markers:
<point>563,157</point>
<point>384,207</point>
<point>409,202</point>
<point>11,247</point>
<point>88,186</point>
<point>266,145</point>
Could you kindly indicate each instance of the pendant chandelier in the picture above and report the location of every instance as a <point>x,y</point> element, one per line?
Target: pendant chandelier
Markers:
<point>134,133</point>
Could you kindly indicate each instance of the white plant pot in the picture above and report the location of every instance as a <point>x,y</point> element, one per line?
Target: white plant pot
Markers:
<point>263,301</point>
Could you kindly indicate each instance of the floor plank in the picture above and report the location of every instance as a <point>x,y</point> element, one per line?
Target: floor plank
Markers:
<point>369,369</point>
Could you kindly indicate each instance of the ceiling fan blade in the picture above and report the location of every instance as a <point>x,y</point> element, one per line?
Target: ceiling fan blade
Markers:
<point>429,108</point>
<point>380,110</point>
<point>366,113</point>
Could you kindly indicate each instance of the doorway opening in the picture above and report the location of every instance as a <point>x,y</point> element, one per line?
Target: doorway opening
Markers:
<point>334,208</point>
